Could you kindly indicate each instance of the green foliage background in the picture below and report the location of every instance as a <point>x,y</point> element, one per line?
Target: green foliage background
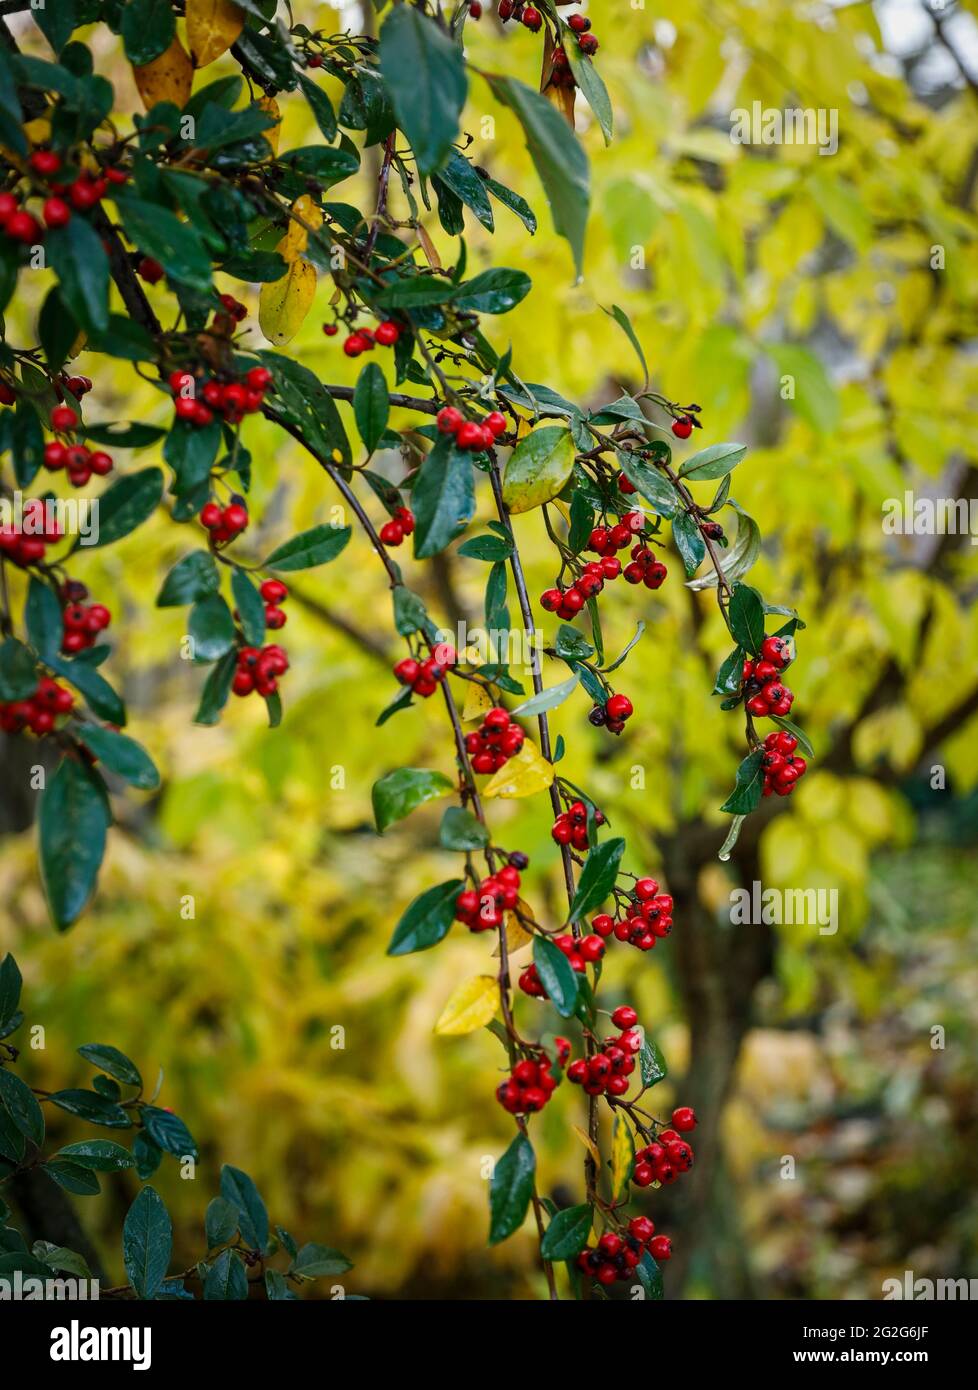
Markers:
<point>755,262</point>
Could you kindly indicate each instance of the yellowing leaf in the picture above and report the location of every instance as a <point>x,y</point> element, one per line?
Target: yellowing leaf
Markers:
<point>283,304</point>
<point>38,131</point>
<point>525,774</point>
<point>271,108</point>
<point>517,935</point>
<point>622,1155</point>
<point>212,27</point>
<point>538,468</point>
<point>471,1006</point>
<point>477,701</point>
<point>296,238</point>
<point>167,78</point>
<point>588,1143</point>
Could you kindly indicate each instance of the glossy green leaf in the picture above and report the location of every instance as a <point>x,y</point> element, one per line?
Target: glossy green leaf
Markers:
<point>428,919</point>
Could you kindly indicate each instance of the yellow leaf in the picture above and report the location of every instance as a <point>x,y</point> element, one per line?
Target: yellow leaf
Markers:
<point>622,1156</point>
<point>212,27</point>
<point>471,1006</point>
<point>477,701</point>
<point>428,247</point>
<point>38,131</point>
<point>525,774</point>
<point>588,1143</point>
<point>517,935</point>
<point>167,78</point>
<point>271,108</point>
<point>296,239</point>
<point>283,304</point>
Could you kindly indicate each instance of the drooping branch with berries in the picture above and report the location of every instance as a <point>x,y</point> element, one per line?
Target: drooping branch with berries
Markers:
<point>136,227</point>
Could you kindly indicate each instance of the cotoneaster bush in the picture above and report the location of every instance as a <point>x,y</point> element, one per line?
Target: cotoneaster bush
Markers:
<point>132,211</point>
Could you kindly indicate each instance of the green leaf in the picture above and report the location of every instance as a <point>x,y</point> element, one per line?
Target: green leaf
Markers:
<point>557,975</point>
<point>110,1060</point>
<point>410,614</point>
<point>121,755</point>
<point>73,821</point>
<point>459,175</point>
<point>147,1242</point>
<point>73,1177</point>
<point>650,1277</point>
<point>168,1132</point>
<point>489,548</point>
<point>745,614</point>
<point>625,324</point>
<point>425,75</point>
<point>689,542</point>
<point>315,1261</point>
<point>652,1063</point>
<point>619,659</point>
<point>77,256</point>
<point>803,741</point>
<point>443,499</point>
<point>148,1155</point>
<point>19,1102</point>
<point>26,443</point>
<point>56,22</point>
<point>511,1189</point>
<point>250,607</point>
<point>571,644</point>
<point>147,29</point>
<point>18,672</point>
<point>124,434</point>
<point>371,405</point>
<point>191,453</point>
<point>238,1189</point>
<point>315,547</point>
<point>101,1155</point>
<point>715,462</point>
<point>460,830</point>
<point>567,1234</point>
<point>547,699</point>
<point>90,1106</point>
<point>495,291</point>
<point>128,503</point>
<point>427,920</point>
<point>193,577</point>
<point>226,1278</point>
<point>557,156</point>
<point>101,699</point>
<point>220,1222</point>
<point>598,877</point>
<point>592,87</point>
<point>514,202</point>
<point>538,468</point>
<point>739,558</point>
<point>42,618</point>
<point>746,795</point>
<point>58,1257</point>
<point>211,628</point>
<point>398,793</point>
<point>301,398</point>
<point>654,486</point>
<point>160,234</point>
<point>10,986</point>
<point>217,688</point>
<point>277,1288</point>
<point>320,106</point>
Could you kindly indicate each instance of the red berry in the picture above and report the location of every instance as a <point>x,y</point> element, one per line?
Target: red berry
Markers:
<point>682,429</point>
<point>619,707</point>
<point>579,23</point>
<point>624,1016</point>
<point>387,333</point>
<point>150,270</point>
<point>21,226</point>
<point>355,344</point>
<point>660,1248</point>
<point>641,1228</point>
<point>475,9</point>
<point>588,44</point>
<point>57,213</point>
<point>210,515</point>
<point>274,591</point>
<point>496,422</point>
<point>63,418</point>
<point>531,19</point>
<point>469,436</point>
<point>449,420</point>
<point>55,455</point>
<point>45,162</point>
<point>235,517</point>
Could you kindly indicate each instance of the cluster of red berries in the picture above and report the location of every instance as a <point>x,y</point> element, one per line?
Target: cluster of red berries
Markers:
<point>424,676</point>
<point>232,311</point>
<point>274,593</point>
<point>667,1156</point>
<point>259,669</point>
<point>567,603</point>
<point>26,546</point>
<point>65,199</point>
<point>645,568</point>
<point>224,523</point>
<point>532,1082</point>
<point>570,827</point>
<point>400,525</point>
<point>616,1256</point>
<point>39,711</point>
<point>781,769</point>
<point>197,400</point>
<point>608,1070</point>
<point>580,952</point>
<point>82,623</point>
<point>78,460</point>
<point>483,908</point>
<point>613,714</point>
<point>470,434</point>
<point>763,689</point>
<point>365,339</point>
<point>496,740</point>
<point>648,918</point>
